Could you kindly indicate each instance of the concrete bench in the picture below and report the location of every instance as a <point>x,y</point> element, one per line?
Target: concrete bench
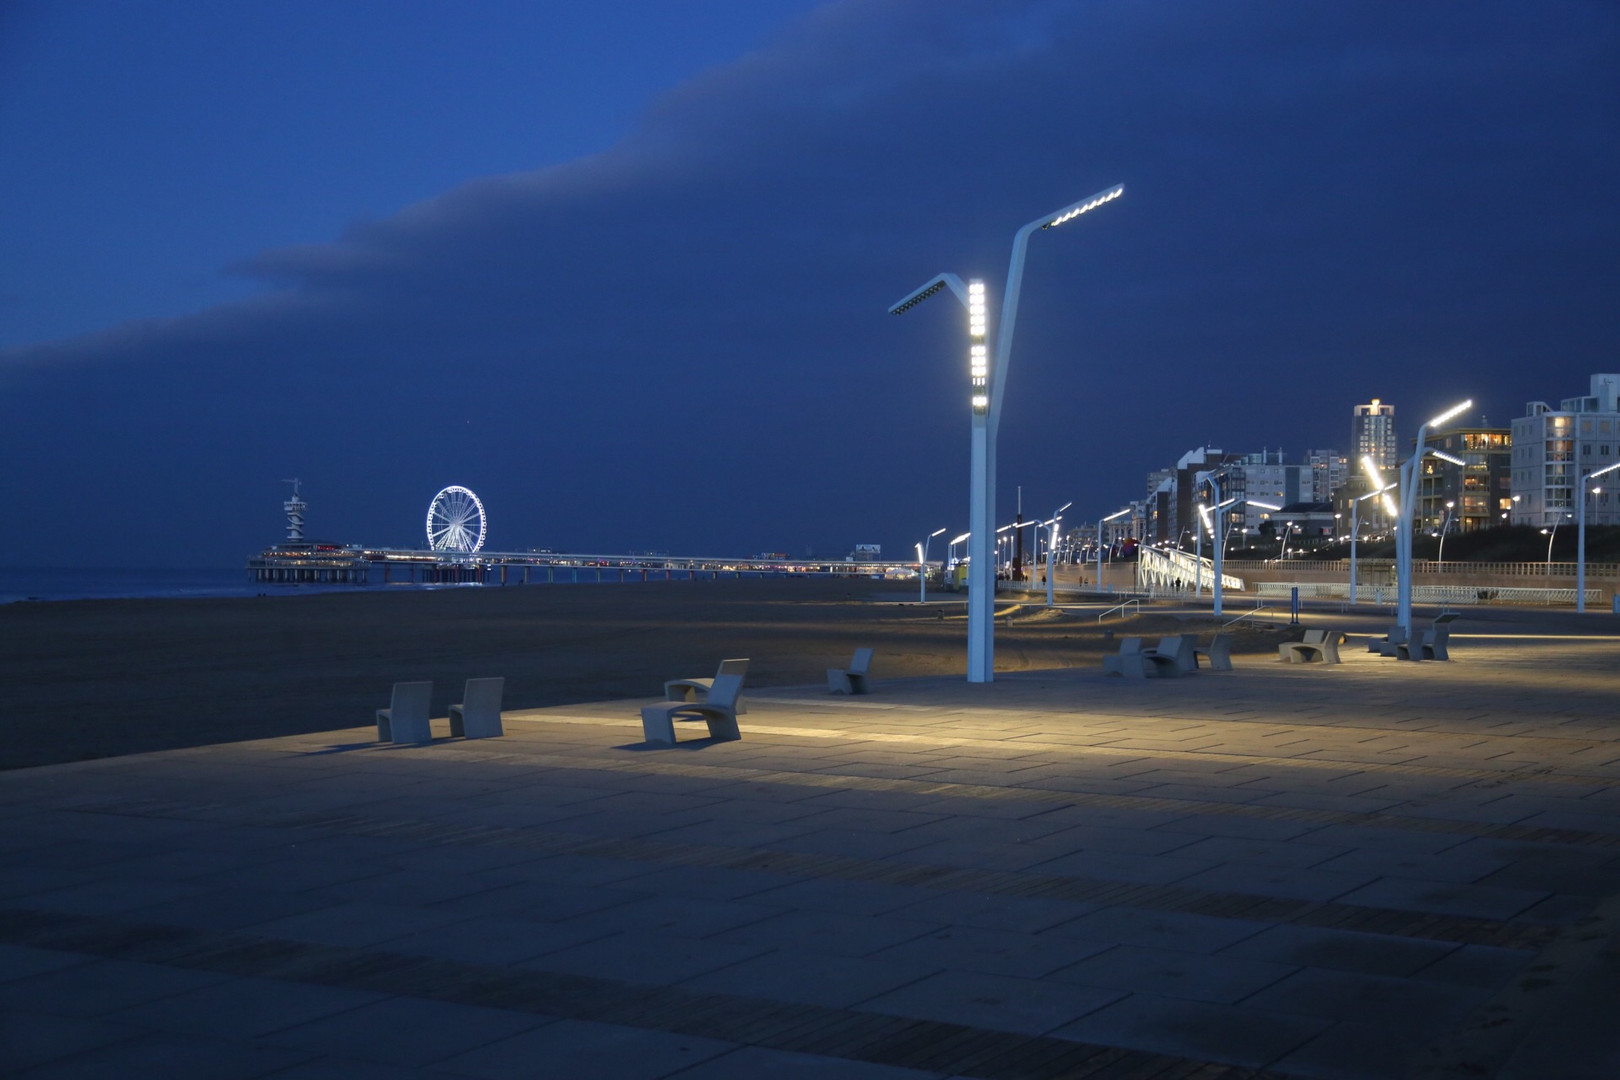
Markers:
<point>1432,645</point>
<point>1219,653</point>
<point>478,714</point>
<point>406,718</point>
<point>1129,656</point>
<point>851,680</point>
<point>1320,645</point>
<point>718,710</point>
<point>1172,656</point>
<point>697,689</point>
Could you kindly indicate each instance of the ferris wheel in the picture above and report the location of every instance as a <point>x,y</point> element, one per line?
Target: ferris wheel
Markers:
<point>455,520</point>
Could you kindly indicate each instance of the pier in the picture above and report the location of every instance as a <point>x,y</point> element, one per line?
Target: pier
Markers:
<point>302,563</point>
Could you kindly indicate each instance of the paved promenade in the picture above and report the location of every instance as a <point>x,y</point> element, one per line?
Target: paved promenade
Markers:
<point>1374,870</point>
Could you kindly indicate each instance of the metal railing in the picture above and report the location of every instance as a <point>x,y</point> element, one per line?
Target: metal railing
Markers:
<point>1258,608</point>
<point>1379,595</point>
<point>1121,609</point>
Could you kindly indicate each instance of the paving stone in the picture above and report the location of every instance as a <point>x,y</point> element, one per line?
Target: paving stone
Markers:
<point>1342,950</point>
<point>407,1031</point>
<point>244,1008</point>
<point>1200,1030</point>
<point>163,1055</point>
<point>1221,978</point>
<point>575,1048</point>
<point>998,1002</point>
<point>29,1038</point>
<point>793,973</point>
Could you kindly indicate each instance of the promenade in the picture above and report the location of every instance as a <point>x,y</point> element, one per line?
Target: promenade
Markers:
<point>1371,870</point>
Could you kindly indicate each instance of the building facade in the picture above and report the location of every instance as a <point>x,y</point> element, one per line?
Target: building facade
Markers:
<point>1372,431</point>
<point>1474,495</point>
<point>1553,448</point>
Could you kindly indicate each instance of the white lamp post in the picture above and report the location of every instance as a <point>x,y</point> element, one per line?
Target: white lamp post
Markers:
<point>922,566</point>
<point>1445,523</point>
<point>1355,509</point>
<point>1580,541</point>
<point>989,379</point>
<point>950,549</point>
<point>1404,529</point>
<point>1051,550</point>
<point>1100,523</point>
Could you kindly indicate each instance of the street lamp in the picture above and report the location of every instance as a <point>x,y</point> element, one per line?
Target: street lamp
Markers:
<point>1445,523</point>
<point>950,549</point>
<point>988,377</point>
<point>1404,530</point>
<point>1580,542</point>
<point>1380,488</point>
<point>1100,523</point>
<point>1551,535</point>
<point>1051,549</point>
<point>922,566</point>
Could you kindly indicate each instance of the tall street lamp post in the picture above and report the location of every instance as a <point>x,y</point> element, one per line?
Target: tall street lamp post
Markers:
<point>1445,523</point>
<point>1100,523</point>
<point>1580,535</point>
<point>1552,534</point>
<point>1403,534</point>
<point>1051,550</point>
<point>922,566</point>
<point>989,378</point>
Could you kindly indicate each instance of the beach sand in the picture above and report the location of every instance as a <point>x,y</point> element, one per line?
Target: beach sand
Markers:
<point>97,678</point>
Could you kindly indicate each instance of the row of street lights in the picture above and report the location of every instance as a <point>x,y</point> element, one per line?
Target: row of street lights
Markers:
<point>987,374</point>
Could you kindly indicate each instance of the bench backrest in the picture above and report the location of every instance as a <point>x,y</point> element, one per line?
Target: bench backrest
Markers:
<point>1130,645</point>
<point>1180,648</point>
<point>732,667</point>
<point>725,691</point>
<point>862,662</point>
<point>1315,637</point>
<point>483,696</point>
<point>410,699</point>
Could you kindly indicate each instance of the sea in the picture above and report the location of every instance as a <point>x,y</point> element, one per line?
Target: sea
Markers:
<point>25,583</point>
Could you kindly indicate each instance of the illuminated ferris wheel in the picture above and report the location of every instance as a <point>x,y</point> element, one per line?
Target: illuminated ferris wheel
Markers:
<point>455,521</point>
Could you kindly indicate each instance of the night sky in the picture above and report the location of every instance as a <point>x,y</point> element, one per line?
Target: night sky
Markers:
<point>622,268</point>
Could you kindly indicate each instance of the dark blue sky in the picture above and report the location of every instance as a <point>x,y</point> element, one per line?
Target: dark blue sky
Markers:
<point>622,268</point>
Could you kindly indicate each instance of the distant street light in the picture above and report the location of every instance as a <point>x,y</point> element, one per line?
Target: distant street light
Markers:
<point>1405,529</point>
<point>988,377</point>
<point>1380,488</point>
<point>950,549</point>
<point>1100,523</point>
<point>1580,543</point>
<point>1445,523</point>
<point>1051,550</point>
<point>1551,535</point>
<point>922,566</point>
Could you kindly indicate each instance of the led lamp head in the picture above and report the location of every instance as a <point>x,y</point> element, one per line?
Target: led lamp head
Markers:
<point>1069,213</point>
<point>1443,456</point>
<point>1454,411</point>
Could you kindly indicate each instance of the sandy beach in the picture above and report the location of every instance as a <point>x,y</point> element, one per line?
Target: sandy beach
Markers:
<point>96,678</point>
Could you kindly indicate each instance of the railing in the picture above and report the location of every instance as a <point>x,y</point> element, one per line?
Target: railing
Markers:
<point>1377,595</point>
<point>1121,609</point>
<point>1427,566</point>
<point>1258,608</point>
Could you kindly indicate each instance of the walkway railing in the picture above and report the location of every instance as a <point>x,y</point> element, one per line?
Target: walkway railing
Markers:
<point>1258,608</point>
<point>1375,595</point>
<point>1121,609</point>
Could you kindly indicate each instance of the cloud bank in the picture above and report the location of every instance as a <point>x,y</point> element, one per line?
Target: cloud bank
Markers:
<point>680,344</point>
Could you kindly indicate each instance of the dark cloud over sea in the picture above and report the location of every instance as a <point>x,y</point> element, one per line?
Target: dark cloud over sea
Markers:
<point>680,343</point>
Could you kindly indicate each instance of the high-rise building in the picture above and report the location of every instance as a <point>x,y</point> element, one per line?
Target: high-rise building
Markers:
<point>1473,495</point>
<point>1372,431</point>
<point>1553,448</point>
<point>1329,471</point>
